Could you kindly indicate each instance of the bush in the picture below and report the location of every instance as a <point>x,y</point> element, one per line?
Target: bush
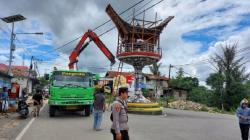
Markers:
<point>216,110</point>
<point>204,109</point>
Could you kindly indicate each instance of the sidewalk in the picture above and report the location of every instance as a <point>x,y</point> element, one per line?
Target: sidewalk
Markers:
<point>8,124</point>
<point>11,125</point>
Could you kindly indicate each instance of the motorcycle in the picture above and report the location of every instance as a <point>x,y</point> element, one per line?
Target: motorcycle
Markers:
<point>23,108</point>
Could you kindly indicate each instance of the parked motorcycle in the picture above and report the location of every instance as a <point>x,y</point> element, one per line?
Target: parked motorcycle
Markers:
<point>23,107</point>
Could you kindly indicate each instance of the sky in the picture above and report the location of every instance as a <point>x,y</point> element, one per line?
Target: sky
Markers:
<point>198,31</point>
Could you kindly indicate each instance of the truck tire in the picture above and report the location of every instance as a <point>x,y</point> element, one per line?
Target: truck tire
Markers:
<point>87,110</point>
<point>52,111</point>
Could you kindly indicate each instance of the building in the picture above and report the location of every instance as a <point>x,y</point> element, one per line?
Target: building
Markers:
<point>5,80</point>
<point>177,93</point>
<point>21,76</point>
<point>154,84</point>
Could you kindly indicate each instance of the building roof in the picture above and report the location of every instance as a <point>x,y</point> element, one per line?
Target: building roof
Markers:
<point>18,71</point>
<point>112,74</point>
<point>4,74</point>
<point>155,77</point>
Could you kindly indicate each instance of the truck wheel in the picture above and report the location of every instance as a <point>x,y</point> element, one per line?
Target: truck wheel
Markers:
<point>52,111</point>
<point>87,110</point>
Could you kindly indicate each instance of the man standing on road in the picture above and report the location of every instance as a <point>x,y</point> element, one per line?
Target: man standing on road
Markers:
<point>120,127</point>
<point>5,101</point>
<point>38,102</point>
<point>243,113</point>
<point>99,108</point>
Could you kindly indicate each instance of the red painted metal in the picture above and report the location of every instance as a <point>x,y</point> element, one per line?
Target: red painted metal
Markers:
<point>146,54</point>
<point>79,48</point>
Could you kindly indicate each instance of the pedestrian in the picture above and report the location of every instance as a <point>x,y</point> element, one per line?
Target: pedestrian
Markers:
<point>5,101</point>
<point>99,108</point>
<point>119,116</point>
<point>38,102</point>
<point>243,113</point>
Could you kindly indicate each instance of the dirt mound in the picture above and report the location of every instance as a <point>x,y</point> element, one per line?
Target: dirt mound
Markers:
<point>189,105</point>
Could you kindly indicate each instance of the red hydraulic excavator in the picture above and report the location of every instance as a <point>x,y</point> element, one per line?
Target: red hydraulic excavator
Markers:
<point>81,46</point>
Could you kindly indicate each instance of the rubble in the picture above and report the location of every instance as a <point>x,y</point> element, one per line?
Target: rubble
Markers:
<point>189,105</point>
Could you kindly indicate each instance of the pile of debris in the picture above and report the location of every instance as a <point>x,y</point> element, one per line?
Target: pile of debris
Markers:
<point>189,105</point>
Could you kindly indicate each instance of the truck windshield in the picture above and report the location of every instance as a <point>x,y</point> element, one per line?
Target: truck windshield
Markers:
<point>74,81</point>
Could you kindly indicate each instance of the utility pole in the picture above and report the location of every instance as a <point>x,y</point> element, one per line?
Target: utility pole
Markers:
<point>169,70</point>
<point>23,59</point>
<point>169,74</point>
<point>12,48</point>
<point>12,19</point>
<point>222,97</point>
<point>30,68</point>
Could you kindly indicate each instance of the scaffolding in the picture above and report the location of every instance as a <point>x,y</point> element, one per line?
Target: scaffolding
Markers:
<point>138,42</point>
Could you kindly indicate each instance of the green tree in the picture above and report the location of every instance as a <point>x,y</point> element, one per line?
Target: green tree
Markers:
<point>42,82</point>
<point>180,73</point>
<point>247,88</point>
<point>155,69</point>
<point>215,81</point>
<point>202,95</point>
<point>187,83</point>
<point>231,70</point>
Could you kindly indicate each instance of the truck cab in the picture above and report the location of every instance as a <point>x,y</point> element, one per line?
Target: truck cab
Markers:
<point>70,90</point>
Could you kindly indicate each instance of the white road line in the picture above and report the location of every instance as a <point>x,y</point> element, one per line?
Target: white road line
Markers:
<point>20,135</point>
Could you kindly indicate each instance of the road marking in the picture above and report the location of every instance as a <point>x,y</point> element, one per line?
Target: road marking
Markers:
<point>20,135</point>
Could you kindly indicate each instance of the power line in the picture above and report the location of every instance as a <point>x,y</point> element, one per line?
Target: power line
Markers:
<point>118,14</point>
<point>98,27</point>
<point>209,59</point>
<point>135,15</point>
<point>186,72</point>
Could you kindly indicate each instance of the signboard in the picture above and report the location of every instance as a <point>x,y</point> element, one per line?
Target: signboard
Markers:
<point>66,73</point>
<point>121,80</point>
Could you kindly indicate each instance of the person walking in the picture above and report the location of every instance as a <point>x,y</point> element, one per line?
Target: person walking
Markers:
<point>5,101</point>
<point>243,114</point>
<point>38,102</point>
<point>119,116</point>
<point>99,108</point>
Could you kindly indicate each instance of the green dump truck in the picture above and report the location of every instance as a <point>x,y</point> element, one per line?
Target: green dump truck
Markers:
<point>70,90</point>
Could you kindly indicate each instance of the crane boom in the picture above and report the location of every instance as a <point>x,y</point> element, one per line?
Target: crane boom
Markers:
<point>81,46</point>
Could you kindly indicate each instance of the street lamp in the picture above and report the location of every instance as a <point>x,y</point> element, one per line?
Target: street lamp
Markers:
<point>12,19</point>
<point>36,33</point>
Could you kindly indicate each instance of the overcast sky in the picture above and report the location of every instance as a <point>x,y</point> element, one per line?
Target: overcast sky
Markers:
<point>197,32</point>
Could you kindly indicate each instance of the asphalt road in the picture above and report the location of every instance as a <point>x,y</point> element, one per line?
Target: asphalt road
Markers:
<point>177,125</point>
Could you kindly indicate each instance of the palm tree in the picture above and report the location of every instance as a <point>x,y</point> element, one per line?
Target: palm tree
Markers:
<point>233,71</point>
<point>155,69</point>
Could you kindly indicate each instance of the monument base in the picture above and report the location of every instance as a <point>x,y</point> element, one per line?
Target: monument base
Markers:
<point>138,104</point>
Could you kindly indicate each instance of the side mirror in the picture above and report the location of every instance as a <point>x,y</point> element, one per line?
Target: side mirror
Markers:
<point>46,76</point>
<point>90,82</point>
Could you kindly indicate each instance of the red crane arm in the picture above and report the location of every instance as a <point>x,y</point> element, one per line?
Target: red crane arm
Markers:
<point>81,46</point>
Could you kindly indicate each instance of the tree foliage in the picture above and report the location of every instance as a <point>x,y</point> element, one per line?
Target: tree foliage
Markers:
<point>184,82</point>
<point>155,69</point>
<point>202,95</point>
<point>42,82</point>
<point>231,72</point>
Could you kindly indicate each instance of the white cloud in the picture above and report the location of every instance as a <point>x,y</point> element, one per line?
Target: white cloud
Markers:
<point>66,21</point>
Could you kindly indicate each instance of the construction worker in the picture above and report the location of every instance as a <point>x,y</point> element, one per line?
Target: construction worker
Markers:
<point>243,113</point>
<point>119,127</point>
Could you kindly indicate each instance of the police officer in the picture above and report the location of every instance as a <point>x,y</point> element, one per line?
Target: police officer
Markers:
<point>120,127</point>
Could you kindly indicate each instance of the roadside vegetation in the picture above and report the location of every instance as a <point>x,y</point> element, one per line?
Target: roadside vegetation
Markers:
<point>229,84</point>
